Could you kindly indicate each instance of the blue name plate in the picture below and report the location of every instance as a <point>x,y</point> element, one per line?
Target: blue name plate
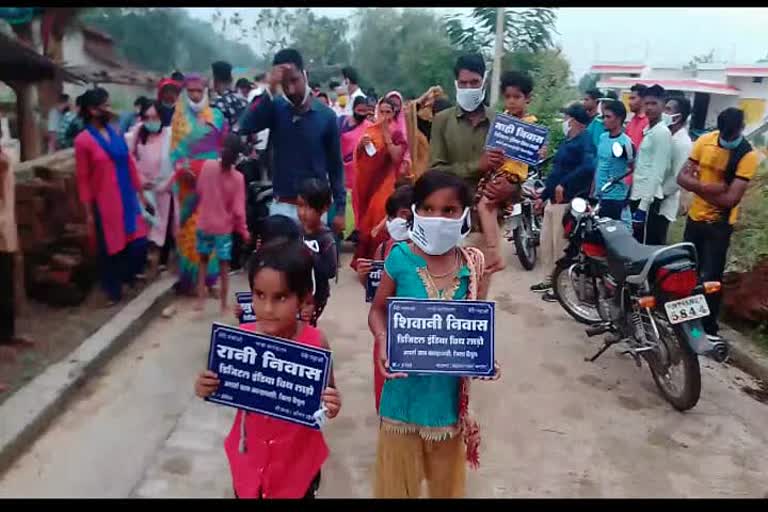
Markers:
<point>374,279</point>
<point>245,300</point>
<point>441,337</point>
<point>266,375</point>
<point>520,141</point>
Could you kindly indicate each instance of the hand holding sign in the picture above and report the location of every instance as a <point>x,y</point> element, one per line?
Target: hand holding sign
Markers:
<point>492,159</point>
<point>383,361</point>
<point>206,384</point>
<point>520,141</point>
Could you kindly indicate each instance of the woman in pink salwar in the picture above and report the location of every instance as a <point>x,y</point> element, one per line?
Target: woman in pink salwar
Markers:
<point>109,187</point>
<point>149,143</point>
<point>351,129</point>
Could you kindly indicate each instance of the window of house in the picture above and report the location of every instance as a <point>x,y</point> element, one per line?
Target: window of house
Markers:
<point>757,79</point>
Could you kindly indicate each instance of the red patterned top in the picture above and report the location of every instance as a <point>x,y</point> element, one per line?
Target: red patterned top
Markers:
<point>279,459</point>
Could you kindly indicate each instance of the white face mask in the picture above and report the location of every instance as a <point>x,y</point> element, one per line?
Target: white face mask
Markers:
<point>470,99</point>
<point>566,127</point>
<point>398,229</point>
<point>197,106</point>
<point>438,235</point>
<point>669,119</point>
<point>307,92</point>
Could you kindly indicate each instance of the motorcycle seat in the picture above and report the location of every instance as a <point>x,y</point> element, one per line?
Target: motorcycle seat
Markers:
<point>627,256</point>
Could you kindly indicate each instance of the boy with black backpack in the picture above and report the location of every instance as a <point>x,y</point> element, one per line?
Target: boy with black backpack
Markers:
<point>718,172</point>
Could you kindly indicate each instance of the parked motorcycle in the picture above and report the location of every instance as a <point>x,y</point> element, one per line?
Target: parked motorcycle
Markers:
<point>648,297</point>
<point>523,223</point>
<point>258,196</point>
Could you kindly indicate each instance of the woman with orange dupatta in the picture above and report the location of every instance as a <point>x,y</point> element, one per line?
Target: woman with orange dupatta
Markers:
<point>378,160</point>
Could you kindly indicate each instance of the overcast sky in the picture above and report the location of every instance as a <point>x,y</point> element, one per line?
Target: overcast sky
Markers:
<point>666,36</point>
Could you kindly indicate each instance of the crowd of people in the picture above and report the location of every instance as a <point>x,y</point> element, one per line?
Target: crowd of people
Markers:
<point>426,196</point>
<point>667,175</point>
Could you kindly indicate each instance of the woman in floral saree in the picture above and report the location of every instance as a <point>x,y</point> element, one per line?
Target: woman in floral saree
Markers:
<point>197,130</point>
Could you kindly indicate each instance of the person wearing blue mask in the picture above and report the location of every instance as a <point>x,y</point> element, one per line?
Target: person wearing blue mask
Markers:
<point>573,169</point>
<point>149,143</point>
<point>718,172</point>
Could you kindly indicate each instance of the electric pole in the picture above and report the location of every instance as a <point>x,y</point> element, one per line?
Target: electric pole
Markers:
<point>498,51</point>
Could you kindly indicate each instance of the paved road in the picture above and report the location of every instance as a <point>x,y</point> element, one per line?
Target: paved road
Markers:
<point>553,426</point>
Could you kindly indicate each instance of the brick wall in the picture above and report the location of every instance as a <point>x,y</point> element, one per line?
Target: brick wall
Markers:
<point>51,225</point>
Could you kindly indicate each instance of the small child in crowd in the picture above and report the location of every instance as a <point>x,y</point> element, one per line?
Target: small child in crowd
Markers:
<point>425,430</point>
<point>221,192</point>
<point>283,227</point>
<point>516,88</point>
<point>280,276</point>
<point>399,216</point>
<point>313,202</point>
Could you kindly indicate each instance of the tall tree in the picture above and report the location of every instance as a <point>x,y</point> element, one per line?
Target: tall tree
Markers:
<point>322,41</point>
<point>587,81</point>
<point>406,50</point>
<point>524,29</point>
<point>162,39</point>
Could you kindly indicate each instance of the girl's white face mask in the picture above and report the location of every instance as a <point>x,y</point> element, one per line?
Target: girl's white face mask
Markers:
<point>438,235</point>
<point>398,229</point>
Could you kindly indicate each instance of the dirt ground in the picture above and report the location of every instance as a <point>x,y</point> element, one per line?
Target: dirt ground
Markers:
<point>56,333</point>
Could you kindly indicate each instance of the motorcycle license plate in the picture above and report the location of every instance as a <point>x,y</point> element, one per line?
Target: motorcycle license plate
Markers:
<point>517,209</point>
<point>690,308</point>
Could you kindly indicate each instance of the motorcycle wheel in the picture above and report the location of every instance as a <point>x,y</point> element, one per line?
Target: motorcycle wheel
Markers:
<point>525,246</point>
<point>568,298</point>
<point>676,373</point>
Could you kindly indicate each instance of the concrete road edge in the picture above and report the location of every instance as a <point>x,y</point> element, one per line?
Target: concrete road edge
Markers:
<point>29,411</point>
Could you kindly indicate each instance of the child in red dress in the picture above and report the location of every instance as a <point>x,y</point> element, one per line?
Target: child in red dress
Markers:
<point>399,215</point>
<point>268,457</point>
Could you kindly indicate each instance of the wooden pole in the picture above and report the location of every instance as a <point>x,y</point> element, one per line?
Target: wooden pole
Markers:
<point>29,133</point>
<point>498,51</point>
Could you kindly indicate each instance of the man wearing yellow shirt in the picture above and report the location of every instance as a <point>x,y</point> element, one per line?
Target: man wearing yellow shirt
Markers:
<point>718,173</point>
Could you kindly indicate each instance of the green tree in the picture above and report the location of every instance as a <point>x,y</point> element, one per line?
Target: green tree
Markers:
<point>322,41</point>
<point>528,29</point>
<point>163,39</point>
<point>405,50</point>
<point>587,81</point>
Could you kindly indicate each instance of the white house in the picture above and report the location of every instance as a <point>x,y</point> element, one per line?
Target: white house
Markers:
<point>711,88</point>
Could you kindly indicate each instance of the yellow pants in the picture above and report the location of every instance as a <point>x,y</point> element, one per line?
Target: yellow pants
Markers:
<point>404,461</point>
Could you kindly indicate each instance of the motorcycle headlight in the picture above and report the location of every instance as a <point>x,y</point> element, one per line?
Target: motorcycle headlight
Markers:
<point>578,207</point>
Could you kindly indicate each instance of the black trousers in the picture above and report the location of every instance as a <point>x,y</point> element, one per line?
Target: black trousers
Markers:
<point>712,240</point>
<point>612,208</point>
<point>654,230</point>
<point>7,313</point>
